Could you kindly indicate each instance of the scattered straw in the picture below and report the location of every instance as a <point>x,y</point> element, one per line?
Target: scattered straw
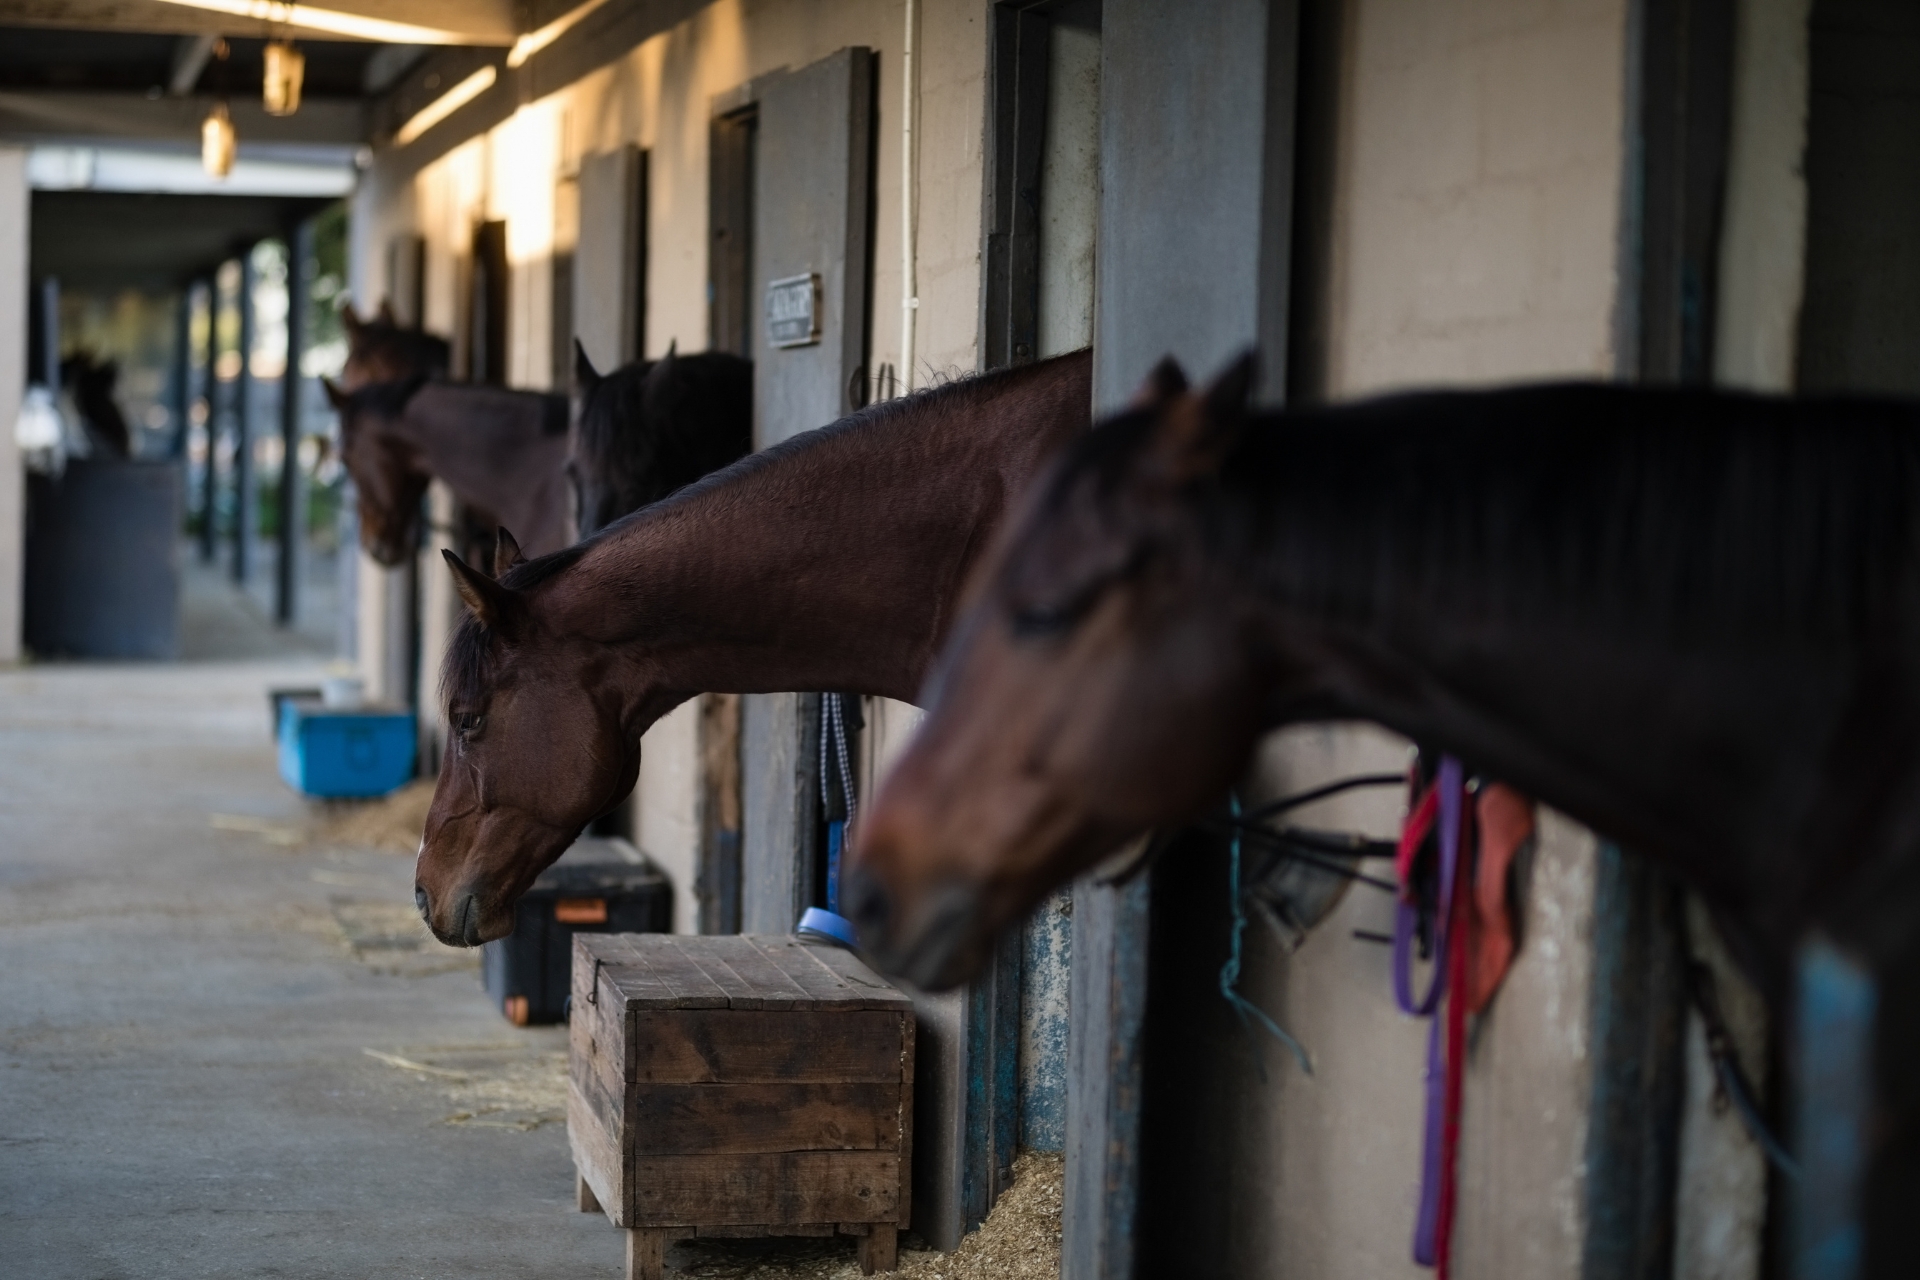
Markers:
<point>1020,1240</point>
<point>271,832</point>
<point>392,823</point>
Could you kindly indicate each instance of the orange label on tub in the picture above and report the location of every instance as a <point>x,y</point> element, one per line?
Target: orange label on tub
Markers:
<point>580,911</point>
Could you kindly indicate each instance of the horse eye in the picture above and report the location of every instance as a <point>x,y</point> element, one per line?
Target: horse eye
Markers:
<point>469,725</point>
<point>1066,611</point>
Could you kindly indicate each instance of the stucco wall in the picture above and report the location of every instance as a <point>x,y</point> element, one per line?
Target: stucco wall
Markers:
<point>1477,191</point>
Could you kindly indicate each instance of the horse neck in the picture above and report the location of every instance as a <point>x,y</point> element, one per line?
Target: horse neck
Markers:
<point>833,562</point>
<point>1605,650</point>
<point>491,447</point>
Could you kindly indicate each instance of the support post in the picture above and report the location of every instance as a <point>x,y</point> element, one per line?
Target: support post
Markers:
<point>244,487</point>
<point>1108,996</point>
<point>286,583</point>
<point>210,384</point>
<point>15,204</point>
<point>182,372</point>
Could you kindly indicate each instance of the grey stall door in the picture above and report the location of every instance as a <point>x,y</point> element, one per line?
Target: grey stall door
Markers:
<point>811,196</point>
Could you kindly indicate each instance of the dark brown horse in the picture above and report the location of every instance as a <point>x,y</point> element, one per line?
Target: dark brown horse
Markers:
<point>832,561</point>
<point>644,430</point>
<point>502,451</point>
<point>1691,620</point>
<point>381,350</point>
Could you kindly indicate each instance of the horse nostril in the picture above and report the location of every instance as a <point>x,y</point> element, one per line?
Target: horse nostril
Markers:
<point>467,928</point>
<point>866,903</point>
<point>420,900</point>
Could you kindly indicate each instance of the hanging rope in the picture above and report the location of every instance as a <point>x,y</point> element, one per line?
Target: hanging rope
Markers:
<point>1248,1011</point>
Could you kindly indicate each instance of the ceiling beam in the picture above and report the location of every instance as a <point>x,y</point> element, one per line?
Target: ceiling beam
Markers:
<point>482,22</point>
<point>603,33</point>
<point>63,116</point>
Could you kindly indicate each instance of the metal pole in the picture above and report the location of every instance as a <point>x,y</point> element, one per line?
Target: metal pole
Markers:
<point>208,382</point>
<point>244,488</point>
<point>286,584</point>
<point>182,372</point>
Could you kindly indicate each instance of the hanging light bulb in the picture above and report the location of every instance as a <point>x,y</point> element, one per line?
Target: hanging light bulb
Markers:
<point>217,141</point>
<point>286,67</point>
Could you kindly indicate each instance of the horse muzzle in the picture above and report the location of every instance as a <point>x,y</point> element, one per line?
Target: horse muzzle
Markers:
<point>940,947</point>
<point>465,926</point>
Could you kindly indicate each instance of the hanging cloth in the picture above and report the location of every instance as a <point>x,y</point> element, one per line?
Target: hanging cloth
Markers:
<point>1473,946</point>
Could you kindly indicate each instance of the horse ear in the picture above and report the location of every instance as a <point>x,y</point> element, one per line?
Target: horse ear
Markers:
<point>585,376</point>
<point>506,554</point>
<point>352,323</point>
<point>660,377</point>
<point>386,313</point>
<point>1168,381</point>
<point>1215,429</point>
<point>1230,393</point>
<point>339,399</point>
<point>498,608</point>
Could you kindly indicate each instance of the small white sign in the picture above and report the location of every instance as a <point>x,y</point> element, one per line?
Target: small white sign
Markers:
<point>793,311</point>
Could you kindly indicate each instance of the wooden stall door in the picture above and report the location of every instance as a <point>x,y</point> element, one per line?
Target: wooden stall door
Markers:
<point>812,202</point>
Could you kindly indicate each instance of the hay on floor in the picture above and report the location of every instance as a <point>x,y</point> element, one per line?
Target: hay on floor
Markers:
<point>392,823</point>
<point>1020,1240</point>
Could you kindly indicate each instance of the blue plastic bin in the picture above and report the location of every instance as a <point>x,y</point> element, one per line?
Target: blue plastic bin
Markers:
<point>365,751</point>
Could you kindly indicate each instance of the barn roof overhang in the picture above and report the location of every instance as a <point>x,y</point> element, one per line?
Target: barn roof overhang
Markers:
<point>155,242</point>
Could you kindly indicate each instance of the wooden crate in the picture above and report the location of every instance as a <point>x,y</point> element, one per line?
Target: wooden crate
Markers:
<point>739,1086</point>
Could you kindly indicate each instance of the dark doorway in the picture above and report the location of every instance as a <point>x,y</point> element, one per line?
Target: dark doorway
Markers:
<point>486,336</point>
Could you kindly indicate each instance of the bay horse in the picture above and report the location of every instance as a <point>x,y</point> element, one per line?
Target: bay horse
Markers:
<point>831,561</point>
<point>382,350</point>
<point>1689,619</point>
<point>645,429</point>
<point>500,450</point>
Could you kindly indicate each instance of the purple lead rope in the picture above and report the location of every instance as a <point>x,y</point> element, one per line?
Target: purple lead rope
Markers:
<point>1406,922</point>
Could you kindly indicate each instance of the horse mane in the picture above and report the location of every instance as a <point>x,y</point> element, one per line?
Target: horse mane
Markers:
<point>1690,512</point>
<point>467,672</point>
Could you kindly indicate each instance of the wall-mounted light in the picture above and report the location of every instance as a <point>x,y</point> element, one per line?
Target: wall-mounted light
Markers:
<point>217,141</point>
<point>286,67</point>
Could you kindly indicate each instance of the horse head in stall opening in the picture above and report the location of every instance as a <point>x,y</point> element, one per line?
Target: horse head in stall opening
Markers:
<point>831,561</point>
<point>1689,619</point>
<point>381,350</point>
<point>646,429</point>
<point>500,450</point>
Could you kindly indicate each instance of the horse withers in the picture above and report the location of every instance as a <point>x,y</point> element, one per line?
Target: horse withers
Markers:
<point>1689,619</point>
<point>832,561</point>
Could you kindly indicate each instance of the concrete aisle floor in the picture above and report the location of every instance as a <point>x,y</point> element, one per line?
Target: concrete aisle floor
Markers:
<point>187,1005</point>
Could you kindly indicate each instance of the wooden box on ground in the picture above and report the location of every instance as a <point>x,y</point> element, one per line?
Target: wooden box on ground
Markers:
<point>739,1086</point>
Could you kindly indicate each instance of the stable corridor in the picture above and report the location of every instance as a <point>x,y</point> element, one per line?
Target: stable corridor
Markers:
<point>226,1047</point>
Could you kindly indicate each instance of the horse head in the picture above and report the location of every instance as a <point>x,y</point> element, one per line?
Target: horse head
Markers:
<point>1088,647</point>
<point>647,429</point>
<point>539,745</point>
<point>380,350</point>
<point>388,473</point>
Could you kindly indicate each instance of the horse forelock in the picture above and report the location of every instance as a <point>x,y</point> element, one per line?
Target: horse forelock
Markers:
<point>468,671</point>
